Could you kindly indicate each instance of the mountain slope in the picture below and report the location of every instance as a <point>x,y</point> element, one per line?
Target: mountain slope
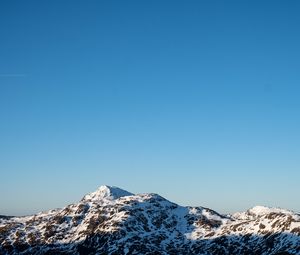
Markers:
<point>114,221</point>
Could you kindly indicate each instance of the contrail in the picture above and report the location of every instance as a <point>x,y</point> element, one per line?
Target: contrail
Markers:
<point>12,75</point>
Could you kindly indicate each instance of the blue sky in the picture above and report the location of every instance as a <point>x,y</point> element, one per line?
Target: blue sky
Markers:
<point>195,100</point>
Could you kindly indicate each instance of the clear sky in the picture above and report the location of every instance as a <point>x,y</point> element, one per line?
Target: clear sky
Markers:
<point>198,101</point>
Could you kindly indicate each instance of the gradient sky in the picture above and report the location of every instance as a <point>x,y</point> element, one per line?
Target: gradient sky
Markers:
<point>198,101</point>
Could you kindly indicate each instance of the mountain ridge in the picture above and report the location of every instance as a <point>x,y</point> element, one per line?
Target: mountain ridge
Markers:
<point>111,220</point>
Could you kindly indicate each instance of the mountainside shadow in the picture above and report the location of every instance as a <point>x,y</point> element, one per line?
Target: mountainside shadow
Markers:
<point>272,244</point>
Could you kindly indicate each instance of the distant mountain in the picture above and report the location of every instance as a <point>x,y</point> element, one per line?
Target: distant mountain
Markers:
<point>114,221</point>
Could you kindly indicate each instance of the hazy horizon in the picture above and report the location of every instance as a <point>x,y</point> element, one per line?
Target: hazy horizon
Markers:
<point>196,101</point>
<point>67,202</point>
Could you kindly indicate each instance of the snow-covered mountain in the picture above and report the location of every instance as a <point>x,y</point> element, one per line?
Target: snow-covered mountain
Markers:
<point>114,221</point>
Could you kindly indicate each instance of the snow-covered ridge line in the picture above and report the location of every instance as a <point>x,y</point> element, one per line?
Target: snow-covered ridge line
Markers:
<point>114,221</point>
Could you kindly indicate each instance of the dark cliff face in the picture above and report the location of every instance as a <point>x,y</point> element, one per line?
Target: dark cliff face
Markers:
<point>113,221</point>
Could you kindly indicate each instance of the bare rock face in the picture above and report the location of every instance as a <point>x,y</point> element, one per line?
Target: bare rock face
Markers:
<point>114,221</point>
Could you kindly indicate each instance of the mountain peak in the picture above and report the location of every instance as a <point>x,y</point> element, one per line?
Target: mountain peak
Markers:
<point>263,210</point>
<point>107,192</point>
<point>260,211</point>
